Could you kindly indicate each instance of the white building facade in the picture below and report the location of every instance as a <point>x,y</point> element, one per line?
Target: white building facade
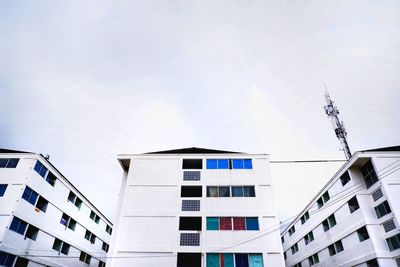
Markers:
<point>44,219</point>
<point>196,207</point>
<point>354,219</point>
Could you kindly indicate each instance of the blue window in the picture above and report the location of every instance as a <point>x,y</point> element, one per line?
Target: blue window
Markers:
<point>241,260</point>
<point>40,169</point>
<point>237,191</point>
<point>247,163</point>
<point>252,223</point>
<point>212,223</point>
<point>223,164</point>
<point>237,164</point>
<point>18,225</point>
<point>211,164</point>
<point>3,188</point>
<point>8,163</point>
<point>6,259</point>
<point>30,195</point>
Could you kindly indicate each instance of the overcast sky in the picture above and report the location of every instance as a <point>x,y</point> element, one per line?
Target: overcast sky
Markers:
<point>84,81</point>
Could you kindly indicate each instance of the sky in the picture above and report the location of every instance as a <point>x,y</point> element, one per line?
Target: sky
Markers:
<point>84,81</point>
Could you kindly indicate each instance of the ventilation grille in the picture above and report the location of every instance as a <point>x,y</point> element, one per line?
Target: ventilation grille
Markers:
<point>377,194</point>
<point>389,225</point>
<point>190,239</point>
<point>190,205</point>
<point>191,175</point>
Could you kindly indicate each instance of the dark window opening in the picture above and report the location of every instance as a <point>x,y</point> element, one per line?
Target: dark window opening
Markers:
<point>224,191</point>
<point>8,163</point>
<point>189,260</point>
<point>21,262</point>
<point>362,234</point>
<point>51,179</point>
<point>345,178</point>
<point>372,263</point>
<point>369,174</point>
<point>192,164</point>
<point>353,204</point>
<point>190,223</point>
<point>382,209</point>
<point>191,191</point>
<point>305,217</point>
<point>32,232</point>
<point>42,204</point>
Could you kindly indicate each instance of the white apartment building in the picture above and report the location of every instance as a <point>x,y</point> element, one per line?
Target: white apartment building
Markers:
<point>354,219</point>
<point>196,207</point>
<point>44,219</point>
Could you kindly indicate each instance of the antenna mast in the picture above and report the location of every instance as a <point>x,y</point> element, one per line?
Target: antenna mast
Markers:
<point>332,111</point>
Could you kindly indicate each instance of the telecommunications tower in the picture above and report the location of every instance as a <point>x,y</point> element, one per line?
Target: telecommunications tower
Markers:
<point>332,111</point>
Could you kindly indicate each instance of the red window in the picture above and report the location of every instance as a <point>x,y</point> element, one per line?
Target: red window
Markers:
<point>225,223</point>
<point>239,223</point>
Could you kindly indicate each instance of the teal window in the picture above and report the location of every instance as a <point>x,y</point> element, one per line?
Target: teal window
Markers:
<point>252,223</point>
<point>211,164</point>
<point>255,260</point>
<point>213,260</point>
<point>212,223</point>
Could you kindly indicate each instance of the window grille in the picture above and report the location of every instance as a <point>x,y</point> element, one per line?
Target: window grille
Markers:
<point>377,194</point>
<point>190,239</point>
<point>190,205</point>
<point>389,226</point>
<point>191,175</point>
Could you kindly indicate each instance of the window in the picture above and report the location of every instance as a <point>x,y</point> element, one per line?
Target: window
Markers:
<point>238,223</point>
<point>297,265</point>
<point>237,191</point>
<point>372,263</point>
<point>213,164</point>
<point>335,248</point>
<point>84,257</point>
<point>282,239</point>
<point>294,248</point>
<point>102,264</point>
<point>192,164</point>
<point>322,200</point>
<point>75,200</point>
<point>377,194</point>
<point>42,204</point>
<point>362,234</point>
<point>382,209</point>
<point>90,236</point>
<point>191,175</point>
<point>18,225</point>
<point>61,246</point>
<point>68,222</point>
<point>94,217</point>
<point>389,225</point>
<point>105,247</point>
<point>189,239</point>
<point>21,262</point>
<point>189,259</point>
<point>230,260</point>
<point>32,232</point>
<point>305,217</point>
<point>313,259</point>
<point>190,205</point>
<point>45,173</point>
<point>6,259</point>
<point>308,238</point>
<point>224,191</point>
<point>353,204</point>
<point>190,223</point>
<point>30,195</point>
<point>329,222</point>
<point>8,163</point>
<point>292,230</point>
<point>369,174</point>
<point>345,178</point>
<point>393,242</point>
<point>3,188</point>
<point>191,191</point>
<point>284,255</point>
<point>108,229</point>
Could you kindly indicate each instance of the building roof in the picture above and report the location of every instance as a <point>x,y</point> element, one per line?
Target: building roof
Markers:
<point>389,148</point>
<point>4,151</point>
<point>194,150</point>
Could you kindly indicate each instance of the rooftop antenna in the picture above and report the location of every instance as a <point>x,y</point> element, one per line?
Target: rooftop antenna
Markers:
<point>332,111</point>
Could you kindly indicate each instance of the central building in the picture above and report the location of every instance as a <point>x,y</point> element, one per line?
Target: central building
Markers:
<point>196,207</point>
